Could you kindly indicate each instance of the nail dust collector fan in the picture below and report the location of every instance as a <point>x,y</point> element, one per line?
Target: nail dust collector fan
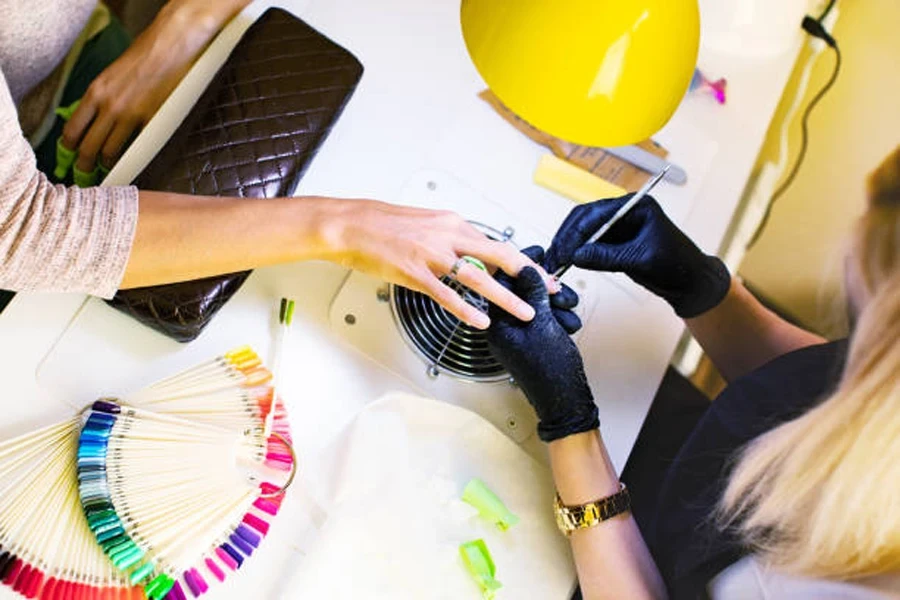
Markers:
<point>428,350</point>
<point>447,344</point>
<point>158,492</point>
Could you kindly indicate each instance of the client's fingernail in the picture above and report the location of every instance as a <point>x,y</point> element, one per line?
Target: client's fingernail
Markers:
<point>554,286</point>
<point>482,321</point>
<point>526,313</point>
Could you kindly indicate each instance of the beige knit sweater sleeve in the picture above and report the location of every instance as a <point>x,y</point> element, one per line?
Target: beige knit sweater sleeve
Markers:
<point>53,238</point>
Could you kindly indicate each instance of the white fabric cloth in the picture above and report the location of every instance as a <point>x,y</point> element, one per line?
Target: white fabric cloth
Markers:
<point>391,485</point>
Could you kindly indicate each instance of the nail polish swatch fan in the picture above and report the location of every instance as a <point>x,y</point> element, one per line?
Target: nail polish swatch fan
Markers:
<point>156,494</point>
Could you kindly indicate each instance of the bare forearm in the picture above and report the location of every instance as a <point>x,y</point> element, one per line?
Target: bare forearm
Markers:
<point>185,27</point>
<point>184,237</point>
<point>181,237</point>
<point>207,17</point>
<point>125,96</point>
<point>740,334</point>
<point>612,559</point>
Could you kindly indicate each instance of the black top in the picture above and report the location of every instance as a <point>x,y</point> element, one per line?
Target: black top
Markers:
<point>688,548</point>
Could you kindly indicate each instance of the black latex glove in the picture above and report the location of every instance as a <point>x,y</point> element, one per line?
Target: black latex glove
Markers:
<point>543,360</point>
<point>562,302</point>
<point>646,246</point>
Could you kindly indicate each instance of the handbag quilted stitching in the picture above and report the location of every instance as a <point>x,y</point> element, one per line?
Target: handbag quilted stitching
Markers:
<point>252,133</point>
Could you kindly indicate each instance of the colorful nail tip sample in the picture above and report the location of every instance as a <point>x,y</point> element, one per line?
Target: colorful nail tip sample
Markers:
<point>717,89</point>
<point>75,497</point>
<point>99,510</point>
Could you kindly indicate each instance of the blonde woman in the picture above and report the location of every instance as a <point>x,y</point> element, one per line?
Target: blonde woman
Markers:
<point>96,240</point>
<point>788,485</point>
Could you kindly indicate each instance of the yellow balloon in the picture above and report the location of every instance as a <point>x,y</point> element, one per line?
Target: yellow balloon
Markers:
<point>593,72</point>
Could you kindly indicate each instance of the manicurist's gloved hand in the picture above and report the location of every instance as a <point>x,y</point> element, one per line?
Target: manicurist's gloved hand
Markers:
<point>543,359</point>
<point>646,246</point>
<point>562,303</point>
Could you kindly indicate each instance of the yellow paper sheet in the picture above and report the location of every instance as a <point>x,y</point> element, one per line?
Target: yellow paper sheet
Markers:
<point>573,182</point>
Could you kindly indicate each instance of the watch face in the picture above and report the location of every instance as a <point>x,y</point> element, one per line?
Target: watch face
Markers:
<point>561,521</point>
<point>565,519</point>
<point>568,519</point>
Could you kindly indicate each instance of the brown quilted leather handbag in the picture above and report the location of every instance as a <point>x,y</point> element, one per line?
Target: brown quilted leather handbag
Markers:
<point>252,133</point>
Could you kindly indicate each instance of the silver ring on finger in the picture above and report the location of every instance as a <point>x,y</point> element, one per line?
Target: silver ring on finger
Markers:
<point>462,260</point>
<point>454,270</point>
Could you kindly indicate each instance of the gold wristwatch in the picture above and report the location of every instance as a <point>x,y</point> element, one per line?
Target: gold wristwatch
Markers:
<point>571,518</point>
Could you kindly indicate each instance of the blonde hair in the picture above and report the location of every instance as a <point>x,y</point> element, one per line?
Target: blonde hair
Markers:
<point>820,495</point>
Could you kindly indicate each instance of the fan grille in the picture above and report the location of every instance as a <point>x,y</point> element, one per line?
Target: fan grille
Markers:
<point>447,344</point>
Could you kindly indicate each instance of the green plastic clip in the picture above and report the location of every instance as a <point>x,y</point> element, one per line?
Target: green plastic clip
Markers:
<point>83,179</point>
<point>65,158</point>
<point>480,565</point>
<point>66,112</point>
<point>488,504</point>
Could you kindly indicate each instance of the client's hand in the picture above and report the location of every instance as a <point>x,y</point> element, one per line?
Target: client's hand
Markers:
<point>543,359</point>
<point>415,247</point>
<point>123,98</point>
<point>646,246</point>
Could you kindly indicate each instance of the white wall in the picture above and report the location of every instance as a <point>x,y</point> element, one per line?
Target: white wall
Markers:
<point>797,261</point>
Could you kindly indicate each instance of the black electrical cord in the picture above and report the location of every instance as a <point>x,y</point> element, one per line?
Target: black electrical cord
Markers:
<point>827,10</point>
<point>815,28</point>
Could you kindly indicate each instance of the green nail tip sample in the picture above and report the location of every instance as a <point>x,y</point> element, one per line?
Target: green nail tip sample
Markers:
<point>102,518</point>
<point>159,587</point>
<point>489,506</point>
<point>127,559</point>
<point>480,565</point>
<point>141,573</point>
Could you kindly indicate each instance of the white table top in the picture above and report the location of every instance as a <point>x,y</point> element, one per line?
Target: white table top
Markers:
<point>414,110</point>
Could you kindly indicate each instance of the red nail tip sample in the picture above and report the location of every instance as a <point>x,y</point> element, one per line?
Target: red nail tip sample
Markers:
<point>256,523</point>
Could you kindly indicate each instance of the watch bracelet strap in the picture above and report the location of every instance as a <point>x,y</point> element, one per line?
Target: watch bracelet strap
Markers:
<point>591,514</point>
